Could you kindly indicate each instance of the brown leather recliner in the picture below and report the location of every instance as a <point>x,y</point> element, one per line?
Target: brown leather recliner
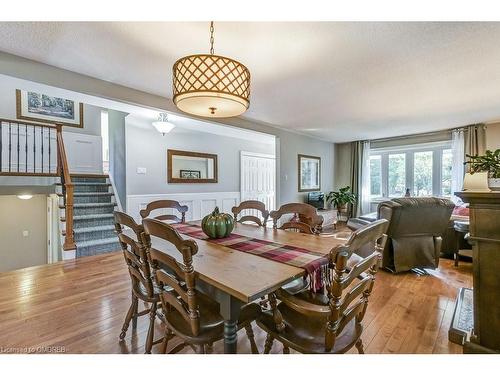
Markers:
<point>416,227</point>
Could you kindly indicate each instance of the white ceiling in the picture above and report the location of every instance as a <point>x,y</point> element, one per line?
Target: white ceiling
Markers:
<point>337,81</point>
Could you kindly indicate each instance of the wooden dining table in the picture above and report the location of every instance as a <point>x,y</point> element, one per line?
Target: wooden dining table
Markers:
<point>234,278</point>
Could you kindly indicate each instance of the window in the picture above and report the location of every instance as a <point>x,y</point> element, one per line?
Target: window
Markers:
<point>422,174</point>
<point>396,173</point>
<point>425,170</point>
<point>446,173</point>
<point>375,176</point>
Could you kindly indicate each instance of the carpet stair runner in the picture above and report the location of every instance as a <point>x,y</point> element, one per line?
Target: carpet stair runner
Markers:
<point>93,207</point>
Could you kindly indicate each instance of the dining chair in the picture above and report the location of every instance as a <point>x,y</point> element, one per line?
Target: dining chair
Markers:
<point>305,219</point>
<point>251,205</point>
<point>143,288</point>
<point>329,323</point>
<point>189,314</point>
<point>165,204</point>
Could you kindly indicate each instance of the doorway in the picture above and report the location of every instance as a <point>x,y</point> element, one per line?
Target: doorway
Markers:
<point>258,178</point>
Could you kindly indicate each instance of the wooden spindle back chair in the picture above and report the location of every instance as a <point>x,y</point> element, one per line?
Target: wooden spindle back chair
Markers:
<point>189,314</point>
<point>178,287</point>
<point>306,218</point>
<point>251,205</point>
<point>165,204</point>
<point>140,274</point>
<point>334,320</point>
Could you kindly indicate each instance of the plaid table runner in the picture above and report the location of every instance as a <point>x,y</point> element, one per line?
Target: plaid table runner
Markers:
<point>314,263</point>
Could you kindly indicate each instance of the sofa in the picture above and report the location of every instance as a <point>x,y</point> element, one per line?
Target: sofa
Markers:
<point>416,227</point>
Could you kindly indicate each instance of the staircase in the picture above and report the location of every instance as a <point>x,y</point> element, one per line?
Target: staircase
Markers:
<point>93,206</point>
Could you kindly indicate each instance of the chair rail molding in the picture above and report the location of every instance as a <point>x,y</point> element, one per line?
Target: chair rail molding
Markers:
<point>200,204</point>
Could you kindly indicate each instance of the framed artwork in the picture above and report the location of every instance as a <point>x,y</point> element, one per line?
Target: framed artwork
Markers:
<point>309,168</point>
<point>186,173</point>
<point>35,106</point>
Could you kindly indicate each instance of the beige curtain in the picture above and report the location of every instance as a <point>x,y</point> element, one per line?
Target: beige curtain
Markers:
<point>356,152</point>
<point>475,139</point>
<point>357,166</point>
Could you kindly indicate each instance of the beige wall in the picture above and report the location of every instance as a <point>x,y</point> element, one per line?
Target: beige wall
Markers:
<point>493,136</point>
<point>16,216</point>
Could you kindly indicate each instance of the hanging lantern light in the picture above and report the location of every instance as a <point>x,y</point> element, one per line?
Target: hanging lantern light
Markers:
<point>209,85</point>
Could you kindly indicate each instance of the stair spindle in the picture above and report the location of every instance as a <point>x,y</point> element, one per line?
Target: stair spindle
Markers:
<point>41,136</point>
<point>26,148</point>
<point>49,149</point>
<point>1,145</point>
<point>18,148</point>
<point>34,150</point>
<point>10,146</point>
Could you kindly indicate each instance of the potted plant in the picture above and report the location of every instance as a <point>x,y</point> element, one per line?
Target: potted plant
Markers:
<point>489,162</point>
<point>340,199</point>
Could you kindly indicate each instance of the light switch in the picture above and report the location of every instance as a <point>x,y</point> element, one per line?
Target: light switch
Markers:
<point>286,177</point>
<point>26,233</point>
<point>141,170</point>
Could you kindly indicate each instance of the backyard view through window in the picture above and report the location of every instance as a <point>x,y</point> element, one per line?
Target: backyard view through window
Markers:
<point>423,169</point>
<point>422,180</point>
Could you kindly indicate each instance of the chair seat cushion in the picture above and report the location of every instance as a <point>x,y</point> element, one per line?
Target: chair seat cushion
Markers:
<point>306,334</point>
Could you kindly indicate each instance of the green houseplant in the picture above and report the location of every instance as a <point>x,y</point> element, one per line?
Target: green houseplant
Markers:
<point>490,163</point>
<point>217,224</point>
<point>340,199</point>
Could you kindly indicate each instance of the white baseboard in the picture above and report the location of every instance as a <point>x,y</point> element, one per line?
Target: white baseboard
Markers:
<point>200,204</point>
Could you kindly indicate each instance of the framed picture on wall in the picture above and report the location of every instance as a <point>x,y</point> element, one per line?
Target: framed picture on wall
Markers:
<point>309,168</point>
<point>189,173</point>
<point>36,106</point>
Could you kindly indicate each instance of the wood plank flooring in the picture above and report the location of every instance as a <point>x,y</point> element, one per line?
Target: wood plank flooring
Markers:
<point>78,307</point>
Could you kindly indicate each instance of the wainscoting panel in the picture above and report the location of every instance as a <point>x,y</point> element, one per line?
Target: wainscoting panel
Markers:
<point>200,204</point>
<point>84,152</point>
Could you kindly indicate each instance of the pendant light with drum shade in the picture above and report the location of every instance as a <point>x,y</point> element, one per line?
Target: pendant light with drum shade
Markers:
<point>210,85</point>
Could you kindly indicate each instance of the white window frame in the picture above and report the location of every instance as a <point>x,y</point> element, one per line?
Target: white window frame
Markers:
<point>409,151</point>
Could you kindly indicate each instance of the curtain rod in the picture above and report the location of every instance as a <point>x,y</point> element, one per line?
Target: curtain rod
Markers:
<point>444,131</point>
<point>412,135</point>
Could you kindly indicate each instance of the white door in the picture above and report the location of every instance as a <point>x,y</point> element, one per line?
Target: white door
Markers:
<point>258,178</point>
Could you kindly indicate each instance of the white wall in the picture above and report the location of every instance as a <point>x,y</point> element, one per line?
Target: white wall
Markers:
<point>16,216</point>
<point>146,148</point>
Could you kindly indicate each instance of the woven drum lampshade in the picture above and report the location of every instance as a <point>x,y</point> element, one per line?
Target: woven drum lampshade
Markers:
<point>211,86</point>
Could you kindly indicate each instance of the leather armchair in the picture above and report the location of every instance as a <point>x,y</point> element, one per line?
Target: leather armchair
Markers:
<point>416,227</point>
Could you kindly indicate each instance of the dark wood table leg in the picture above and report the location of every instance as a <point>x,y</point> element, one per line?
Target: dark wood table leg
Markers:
<point>230,308</point>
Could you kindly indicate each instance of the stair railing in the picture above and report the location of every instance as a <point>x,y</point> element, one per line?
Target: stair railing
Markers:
<point>67,190</point>
<point>37,150</point>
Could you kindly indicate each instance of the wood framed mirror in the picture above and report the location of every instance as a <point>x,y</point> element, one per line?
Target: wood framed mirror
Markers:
<point>186,167</point>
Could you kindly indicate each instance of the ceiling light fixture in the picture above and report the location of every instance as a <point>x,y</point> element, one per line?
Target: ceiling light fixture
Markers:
<point>25,196</point>
<point>162,125</point>
<point>209,85</point>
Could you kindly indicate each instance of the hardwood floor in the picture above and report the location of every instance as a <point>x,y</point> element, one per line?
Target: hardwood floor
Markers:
<point>79,306</point>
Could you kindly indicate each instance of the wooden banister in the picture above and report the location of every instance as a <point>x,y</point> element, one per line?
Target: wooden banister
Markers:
<point>68,189</point>
<point>24,158</point>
